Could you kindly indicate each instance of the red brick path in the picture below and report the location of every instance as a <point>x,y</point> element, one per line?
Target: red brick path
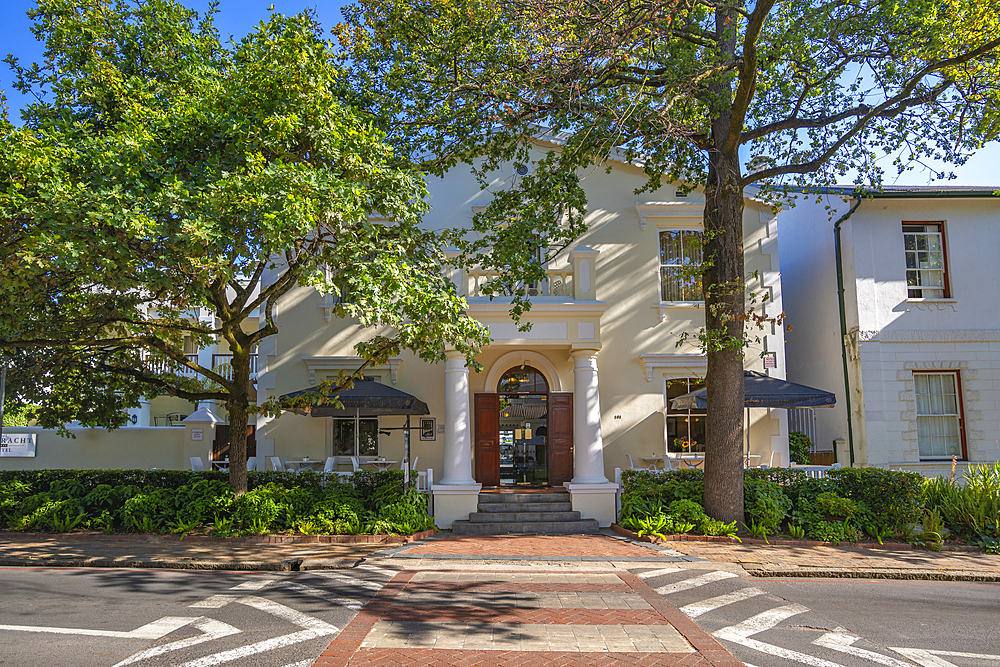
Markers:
<point>345,651</point>
<point>600,546</point>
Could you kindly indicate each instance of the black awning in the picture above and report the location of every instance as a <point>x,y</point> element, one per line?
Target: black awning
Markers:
<point>366,398</point>
<point>761,391</point>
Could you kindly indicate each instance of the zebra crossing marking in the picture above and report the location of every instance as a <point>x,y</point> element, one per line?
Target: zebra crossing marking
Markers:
<point>686,584</point>
<point>844,642</point>
<point>696,609</point>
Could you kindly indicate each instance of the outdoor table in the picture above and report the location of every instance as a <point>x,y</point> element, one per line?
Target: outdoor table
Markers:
<point>222,465</point>
<point>305,464</point>
<point>381,464</point>
<point>657,462</point>
<point>691,460</point>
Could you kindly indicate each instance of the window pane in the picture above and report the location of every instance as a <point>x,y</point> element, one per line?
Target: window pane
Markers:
<point>680,252</point>
<point>671,247</point>
<point>343,437</point>
<point>924,254</point>
<point>368,441</point>
<point>939,433</point>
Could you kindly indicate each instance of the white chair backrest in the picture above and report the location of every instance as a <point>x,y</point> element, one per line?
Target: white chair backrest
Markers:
<point>284,462</point>
<point>197,465</point>
<point>331,464</point>
<point>276,464</point>
<point>631,465</point>
<point>667,463</point>
<point>354,464</point>
<point>413,463</point>
<point>251,463</point>
<point>422,481</point>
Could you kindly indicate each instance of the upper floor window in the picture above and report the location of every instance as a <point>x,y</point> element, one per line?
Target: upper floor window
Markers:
<point>680,255</point>
<point>926,276</point>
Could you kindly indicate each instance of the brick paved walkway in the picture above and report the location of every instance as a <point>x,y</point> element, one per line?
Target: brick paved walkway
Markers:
<point>448,618</point>
<point>594,546</point>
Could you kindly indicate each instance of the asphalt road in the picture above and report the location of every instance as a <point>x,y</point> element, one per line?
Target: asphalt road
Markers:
<point>840,622</point>
<point>957,617</point>
<point>100,618</point>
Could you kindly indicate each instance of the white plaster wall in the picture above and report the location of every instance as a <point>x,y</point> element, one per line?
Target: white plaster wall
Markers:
<point>890,334</point>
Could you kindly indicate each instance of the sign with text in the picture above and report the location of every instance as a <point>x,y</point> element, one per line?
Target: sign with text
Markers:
<point>197,434</point>
<point>18,444</point>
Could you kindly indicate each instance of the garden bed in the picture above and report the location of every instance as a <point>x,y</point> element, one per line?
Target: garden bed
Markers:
<point>243,539</point>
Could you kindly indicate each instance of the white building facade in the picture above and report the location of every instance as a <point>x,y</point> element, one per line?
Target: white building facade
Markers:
<point>920,339</point>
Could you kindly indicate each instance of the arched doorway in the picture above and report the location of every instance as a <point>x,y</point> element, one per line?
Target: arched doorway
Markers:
<point>523,431</point>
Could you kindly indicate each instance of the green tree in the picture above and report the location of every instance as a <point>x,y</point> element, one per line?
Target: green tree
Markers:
<point>168,187</point>
<point>803,90</point>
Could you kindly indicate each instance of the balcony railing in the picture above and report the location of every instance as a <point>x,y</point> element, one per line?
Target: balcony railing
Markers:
<point>165,365</point>
<point>558,282</point>
<point>222,364</point>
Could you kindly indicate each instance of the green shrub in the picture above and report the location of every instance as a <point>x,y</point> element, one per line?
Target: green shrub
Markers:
<point>973,508</point>
<point>765,504</point>
<point>799,445</point>
<point>687,511</point>
<point>668,486</point>
<point>886,499</point>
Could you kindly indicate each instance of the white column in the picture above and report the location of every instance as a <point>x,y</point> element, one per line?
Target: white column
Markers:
<point>457,422</point>
<point>588,445</point>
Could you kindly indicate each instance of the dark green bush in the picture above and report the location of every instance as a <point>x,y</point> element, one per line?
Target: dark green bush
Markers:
<point>765,504</point>
<point>668,486</point>
<point>799,445</point>
<point>181,501</point>
<point>887,499</point>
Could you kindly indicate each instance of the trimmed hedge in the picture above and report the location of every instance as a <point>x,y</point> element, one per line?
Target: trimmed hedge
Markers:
<point>180,501</point>
<point>841,506</point>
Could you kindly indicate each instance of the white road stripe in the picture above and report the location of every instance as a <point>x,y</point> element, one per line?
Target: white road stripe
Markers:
<point>761,622</point>
<point>301,663</point>
<point>253,585</point>
<point>259,647</point>
<point>350,603</point>
<point>289,614</point>
<point>696,609</point>
<point>707,578</point>
<point>354,581</point>
<point>154,630</point>
<point>213,630</point>
<point>780,652</point>
<point>930,657</point>
<point>656,573</point>
<point>843,642</point>
<point>377,569</point>
<point>214,602</point>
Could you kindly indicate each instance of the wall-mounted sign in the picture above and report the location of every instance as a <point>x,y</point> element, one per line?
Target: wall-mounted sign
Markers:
<point>770,360</point>
<point>18,444</point>
<point>197,434</point>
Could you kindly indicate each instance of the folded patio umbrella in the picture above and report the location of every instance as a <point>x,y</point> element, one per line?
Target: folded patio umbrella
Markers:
<point>761,391</point>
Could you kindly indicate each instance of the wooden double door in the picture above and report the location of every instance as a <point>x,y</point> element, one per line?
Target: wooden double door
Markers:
<point>559,454</point>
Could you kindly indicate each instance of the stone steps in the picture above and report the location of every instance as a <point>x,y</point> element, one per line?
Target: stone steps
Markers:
<point>504,512</point>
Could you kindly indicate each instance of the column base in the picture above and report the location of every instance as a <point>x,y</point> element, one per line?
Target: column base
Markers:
<point>594,501</point>
<point>455,502</point>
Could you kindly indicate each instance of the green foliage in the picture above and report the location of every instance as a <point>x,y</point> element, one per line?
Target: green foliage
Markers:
<point>311,504</point>
<point>885,498</point>
<point>668,486</point>
<point>765,504</point>
<point>972,508</point>
<point>799,445</point>
<point>798,532</point>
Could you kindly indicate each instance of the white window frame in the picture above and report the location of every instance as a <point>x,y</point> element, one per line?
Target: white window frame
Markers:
<point>357,440</point>
<point>957,416</point>
<point>684,231</point>
<point>669,412</point>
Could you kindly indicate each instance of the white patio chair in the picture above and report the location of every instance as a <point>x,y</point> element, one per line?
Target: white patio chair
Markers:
<point>278,465</point>
<point>355,464</point>
<point>197,465</point>
<point>331,464</point>
<point>632,466</point>
<point>413,463</point>
<point>251,463</point>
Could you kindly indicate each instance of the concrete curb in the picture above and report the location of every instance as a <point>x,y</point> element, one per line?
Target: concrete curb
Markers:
<point>286,565</point>
<point>871,573</point>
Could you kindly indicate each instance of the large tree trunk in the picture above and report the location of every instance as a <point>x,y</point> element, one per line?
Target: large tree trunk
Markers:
<point>723,285</point>
<point>238,407</point>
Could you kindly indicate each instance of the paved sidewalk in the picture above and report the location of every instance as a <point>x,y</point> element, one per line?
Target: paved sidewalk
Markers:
<point>846,561</point>
<point>189,553</point>
<point>461,618</point>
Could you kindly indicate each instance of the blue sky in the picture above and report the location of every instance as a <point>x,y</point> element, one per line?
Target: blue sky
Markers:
<point>237,17</point>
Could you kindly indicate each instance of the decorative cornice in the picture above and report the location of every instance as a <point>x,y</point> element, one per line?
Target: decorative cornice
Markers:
<point>664,306</point>
<point>936,336</point>
<point>933,305</point>
<point>672,362</point>
<point>674,213</point>
<point>348,364</point>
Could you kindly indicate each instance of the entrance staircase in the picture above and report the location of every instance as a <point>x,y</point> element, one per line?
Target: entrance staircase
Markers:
<point>539,513</point>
